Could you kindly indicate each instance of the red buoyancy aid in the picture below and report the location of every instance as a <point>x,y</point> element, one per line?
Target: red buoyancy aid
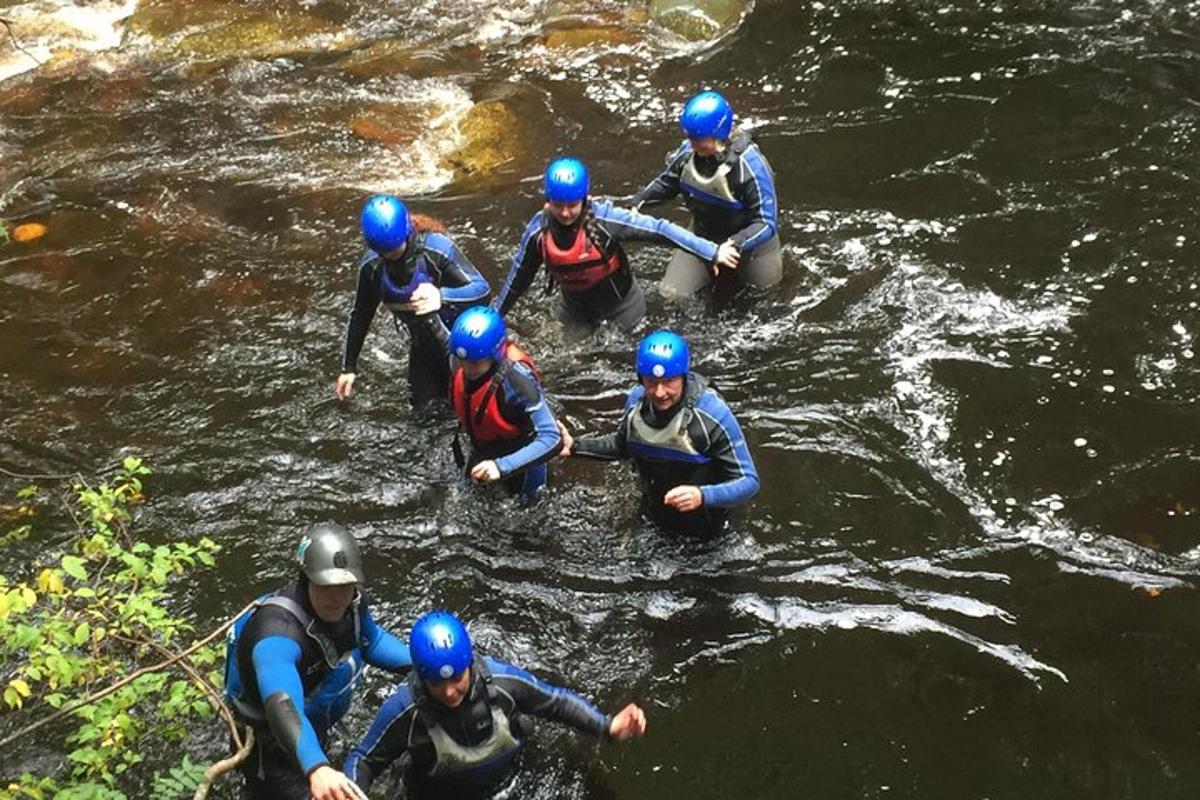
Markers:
<point>582,265</point>
<point>479,411</point>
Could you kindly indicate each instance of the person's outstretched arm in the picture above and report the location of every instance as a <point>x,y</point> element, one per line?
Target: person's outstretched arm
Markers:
<point>525,265</point>
<point>612,446</point>
<point>666,185</point>
<point>279,684</point>
<point>386,741</point>
<point>625,225</point>
<point>382,649</point>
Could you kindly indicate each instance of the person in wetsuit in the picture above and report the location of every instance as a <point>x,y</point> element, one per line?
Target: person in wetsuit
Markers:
<point>457,725</point>
<point>579,238</point>
<point>500,405</point>
<point>729,187</point>
<point>292,662</point>
<point>423,279</point>
<point>684,441</point>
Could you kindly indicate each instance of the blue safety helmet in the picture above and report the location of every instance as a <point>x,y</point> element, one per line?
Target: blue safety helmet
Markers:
<point>663,354</point>
<point>385,223</point>
<point>706,115</point>
<point>566,180</point>
<point>440,646</point>
<point>478,333</point>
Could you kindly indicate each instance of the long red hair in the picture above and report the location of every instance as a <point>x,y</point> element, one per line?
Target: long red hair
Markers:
<point>426,224</point>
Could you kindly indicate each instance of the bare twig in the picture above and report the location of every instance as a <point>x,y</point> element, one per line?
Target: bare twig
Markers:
<point>36,476</point>
<point>105,692</point>
<point>8,23</point>
<point>215,700</point>
<point>224,765</point>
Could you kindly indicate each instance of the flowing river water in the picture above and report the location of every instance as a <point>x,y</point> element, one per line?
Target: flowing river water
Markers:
<point>971,571</point>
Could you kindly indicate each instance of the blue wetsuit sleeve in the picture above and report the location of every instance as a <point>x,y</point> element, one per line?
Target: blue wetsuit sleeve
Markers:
<point>522,390</point>
<point>613,446</point>
<point>625,225</point>
<point>381,648</point>
<point>666,185</point>
<point>461,283</point>
<point>727,447</point>
<point>386,741</point>
<point>366,300</point>
<point>525,265</point>
<point>759,200</point>
<point>541,699</point>
<point>280,687</point>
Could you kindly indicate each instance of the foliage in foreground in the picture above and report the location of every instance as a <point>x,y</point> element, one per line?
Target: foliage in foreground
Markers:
<point>85,617</point>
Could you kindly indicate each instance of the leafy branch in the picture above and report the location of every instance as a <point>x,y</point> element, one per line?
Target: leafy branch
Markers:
<point>93,613</point>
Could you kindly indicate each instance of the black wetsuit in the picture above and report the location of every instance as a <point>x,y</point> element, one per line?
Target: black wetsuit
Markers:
<point>444,265</point>
<point>617,298</point>
<point>305,694</point>
<point>402,731</point>
<point>708,451</point>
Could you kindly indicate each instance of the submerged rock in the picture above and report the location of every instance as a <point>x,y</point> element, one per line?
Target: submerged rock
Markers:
<point>395,125</point>
<point>697,20</point>
<point>387,58</point>
<point>589,36</point>
<point>490,131</point>
<point>258,36</point>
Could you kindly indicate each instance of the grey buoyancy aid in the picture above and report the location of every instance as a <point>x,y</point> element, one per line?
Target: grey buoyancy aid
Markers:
<point>668,443</point>
<point>453,760</point>
<point>714,189</point>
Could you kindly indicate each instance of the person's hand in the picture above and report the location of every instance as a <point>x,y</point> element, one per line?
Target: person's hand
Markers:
<point>627,723</point>
<point>684,498</point>
<point>728,255</point>
<point>326,783</point>
<point>485,471</point>
<point>425,299</point>
<point>568,441</point>
<point>345,383</point>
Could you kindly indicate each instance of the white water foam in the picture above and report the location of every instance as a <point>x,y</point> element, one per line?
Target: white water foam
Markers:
<point>48,27</point>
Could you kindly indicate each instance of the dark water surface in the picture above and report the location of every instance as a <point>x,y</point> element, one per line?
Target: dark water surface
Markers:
<point>971,570</point>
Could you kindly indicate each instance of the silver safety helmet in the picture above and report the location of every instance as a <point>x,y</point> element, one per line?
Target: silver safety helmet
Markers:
<point>329,556</point>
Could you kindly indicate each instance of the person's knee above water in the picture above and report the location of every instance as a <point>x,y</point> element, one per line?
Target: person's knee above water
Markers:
<point>293,661</point>
<point>685,442</point>
<point>456,726</point>
<point>729,187</point>
<point>422,277</point>
<point>500,404</point>
<point>578,238</point>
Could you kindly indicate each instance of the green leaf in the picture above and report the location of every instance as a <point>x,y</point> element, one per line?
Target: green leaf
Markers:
<point>82,633</point>
<point>73,566</point>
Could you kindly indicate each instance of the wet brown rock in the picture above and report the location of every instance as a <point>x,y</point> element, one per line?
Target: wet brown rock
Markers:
<point>261,36</point>
<point>697,20</point>
<point>388,125</point>
<point>581,38</point>
<point>163,18</point>
<point>387,58</point>
<point>490,132</point>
